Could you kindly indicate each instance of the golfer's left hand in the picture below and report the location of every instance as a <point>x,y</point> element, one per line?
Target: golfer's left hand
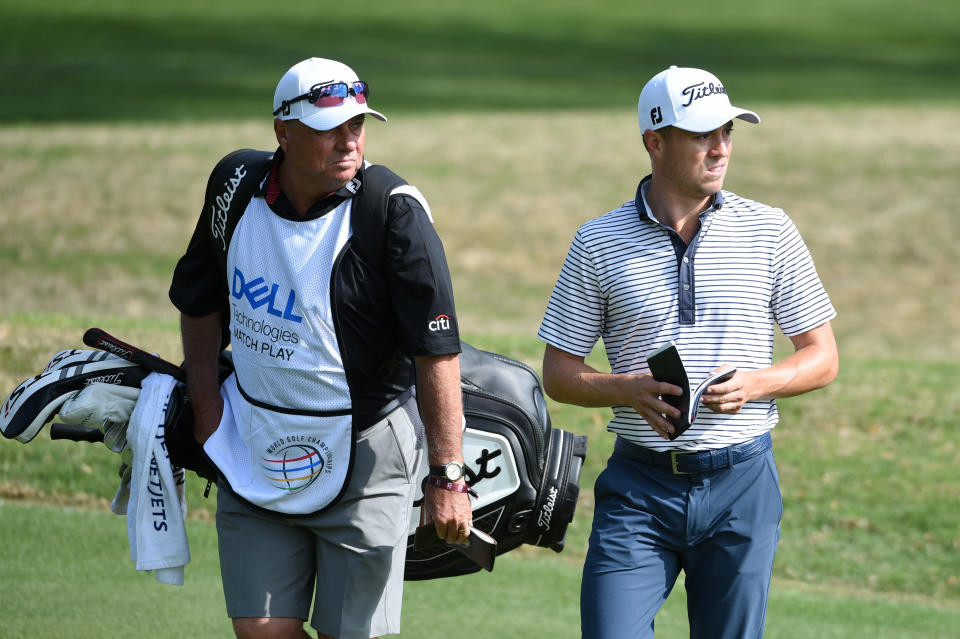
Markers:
<point>450,512</point>
<point>728,397</point>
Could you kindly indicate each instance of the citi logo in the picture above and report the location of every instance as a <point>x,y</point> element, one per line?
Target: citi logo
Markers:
<point>441,323</point>
<point>259,293</point>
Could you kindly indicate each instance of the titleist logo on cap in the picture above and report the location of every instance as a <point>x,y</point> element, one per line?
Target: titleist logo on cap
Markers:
<point>701,90</point>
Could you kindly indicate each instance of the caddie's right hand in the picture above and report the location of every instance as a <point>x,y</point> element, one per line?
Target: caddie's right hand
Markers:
<point>450,512</point>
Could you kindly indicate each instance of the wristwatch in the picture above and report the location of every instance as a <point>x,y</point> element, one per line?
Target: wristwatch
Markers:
<point>451,471</point>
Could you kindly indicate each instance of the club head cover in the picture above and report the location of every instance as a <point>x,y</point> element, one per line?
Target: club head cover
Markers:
<point>98,403</point>
<point>35,401</point>
<point>104,406</point>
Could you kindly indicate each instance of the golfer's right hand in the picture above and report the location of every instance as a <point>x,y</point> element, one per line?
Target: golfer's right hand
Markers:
<point>648,402</point>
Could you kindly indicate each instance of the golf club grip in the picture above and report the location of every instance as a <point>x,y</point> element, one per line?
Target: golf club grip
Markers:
<point>75,432</point>
<point>104,341</point>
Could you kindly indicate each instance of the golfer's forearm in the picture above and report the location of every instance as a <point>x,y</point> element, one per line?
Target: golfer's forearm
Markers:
<point>441,406</point>
<point>813,365</point>
<point>808,369</point>
<point>569,380</point>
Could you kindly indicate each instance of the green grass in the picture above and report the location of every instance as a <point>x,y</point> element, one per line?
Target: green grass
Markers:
<point>66,574</point>
<point>113,60</point>
<point>863,487</point>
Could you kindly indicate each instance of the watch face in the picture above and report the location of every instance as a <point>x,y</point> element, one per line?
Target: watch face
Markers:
<point>453,471</point>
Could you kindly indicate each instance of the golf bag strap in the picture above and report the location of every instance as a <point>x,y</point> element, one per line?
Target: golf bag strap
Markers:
<point>368,216</point>
<point>231,185</point>
<point>368,220</point>
<point>236,177</point>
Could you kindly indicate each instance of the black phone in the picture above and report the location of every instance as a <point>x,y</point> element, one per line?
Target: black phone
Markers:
<point>666,366</point>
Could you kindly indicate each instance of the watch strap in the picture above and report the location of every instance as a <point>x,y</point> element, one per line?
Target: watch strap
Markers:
<point>451,485</point>
<point>441,470</point>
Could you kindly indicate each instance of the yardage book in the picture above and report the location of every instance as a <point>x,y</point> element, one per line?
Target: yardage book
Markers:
<point>666,366</point>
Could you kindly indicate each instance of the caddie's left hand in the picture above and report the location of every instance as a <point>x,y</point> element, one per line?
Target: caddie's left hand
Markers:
<point>450,512</point>
<point>728,397</point>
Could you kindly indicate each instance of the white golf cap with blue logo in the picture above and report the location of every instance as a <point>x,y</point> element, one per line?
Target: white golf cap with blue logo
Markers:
<point>689,99</point>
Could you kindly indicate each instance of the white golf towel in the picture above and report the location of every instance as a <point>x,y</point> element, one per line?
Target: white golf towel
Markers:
<point>154,500</point>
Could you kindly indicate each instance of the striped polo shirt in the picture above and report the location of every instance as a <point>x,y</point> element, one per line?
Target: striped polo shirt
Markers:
<point>635,283</point>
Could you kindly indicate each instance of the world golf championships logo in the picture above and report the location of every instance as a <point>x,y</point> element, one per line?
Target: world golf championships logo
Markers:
<point>293,468</point>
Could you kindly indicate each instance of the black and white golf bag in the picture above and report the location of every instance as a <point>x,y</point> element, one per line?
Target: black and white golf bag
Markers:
<point>526,472</point>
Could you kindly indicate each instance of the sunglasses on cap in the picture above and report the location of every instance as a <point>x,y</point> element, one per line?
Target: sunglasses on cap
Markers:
<point>331,94</point>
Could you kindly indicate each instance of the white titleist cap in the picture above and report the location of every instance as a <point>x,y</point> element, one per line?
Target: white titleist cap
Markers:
<point>689,99</point>
<point>321,93</point>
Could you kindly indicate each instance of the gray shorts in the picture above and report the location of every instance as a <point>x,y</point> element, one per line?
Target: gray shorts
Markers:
<point>347,561</point>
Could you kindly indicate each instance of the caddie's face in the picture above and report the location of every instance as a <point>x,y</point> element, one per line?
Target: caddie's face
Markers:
<point>330,158</point>
<point>694,164</point>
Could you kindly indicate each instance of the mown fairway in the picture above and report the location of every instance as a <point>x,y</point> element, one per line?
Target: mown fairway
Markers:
<point>102,173</point>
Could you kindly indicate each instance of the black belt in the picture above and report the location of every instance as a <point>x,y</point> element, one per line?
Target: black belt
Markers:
<point>704,461</point>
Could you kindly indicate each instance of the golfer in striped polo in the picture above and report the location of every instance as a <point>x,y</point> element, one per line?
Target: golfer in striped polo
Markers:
<point>688,262</point>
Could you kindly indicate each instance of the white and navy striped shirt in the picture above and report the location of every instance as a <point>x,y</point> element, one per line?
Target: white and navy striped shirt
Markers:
<point>633,282</point>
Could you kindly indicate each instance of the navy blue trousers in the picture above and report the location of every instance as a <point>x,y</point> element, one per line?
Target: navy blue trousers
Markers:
<point>721,528</point>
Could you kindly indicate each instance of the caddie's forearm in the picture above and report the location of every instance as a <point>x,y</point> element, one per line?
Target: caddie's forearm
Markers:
<point>201,348</point>
<point>441,406</point>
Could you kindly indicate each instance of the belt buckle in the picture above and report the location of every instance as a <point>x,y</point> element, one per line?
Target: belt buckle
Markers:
<point>673,463</point>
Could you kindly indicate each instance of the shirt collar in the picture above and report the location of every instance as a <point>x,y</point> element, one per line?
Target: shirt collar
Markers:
<point>270,190</point>
<point>643,209</point>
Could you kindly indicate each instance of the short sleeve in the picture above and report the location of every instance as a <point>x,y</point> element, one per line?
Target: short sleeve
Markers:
<point>573,321</point>
<point>198,287</point>
<point>419,279</point>
<point>800,302</point>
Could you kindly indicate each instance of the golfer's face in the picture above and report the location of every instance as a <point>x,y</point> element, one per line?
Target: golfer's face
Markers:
<point>697,162</point>
<point>332,157</point>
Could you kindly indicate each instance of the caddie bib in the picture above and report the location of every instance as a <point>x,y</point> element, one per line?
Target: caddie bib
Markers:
<point>285,441</point>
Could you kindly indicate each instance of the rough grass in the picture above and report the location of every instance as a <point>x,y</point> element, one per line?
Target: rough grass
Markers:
<point>92,219</point>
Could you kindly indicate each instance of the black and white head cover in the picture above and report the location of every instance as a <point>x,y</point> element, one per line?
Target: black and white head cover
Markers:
<point>37,400</point>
